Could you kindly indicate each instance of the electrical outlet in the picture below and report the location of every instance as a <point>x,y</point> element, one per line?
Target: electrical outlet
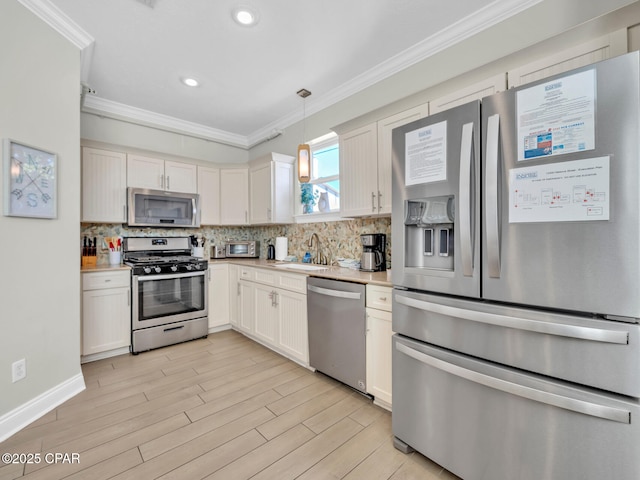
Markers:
<point>19,369</point>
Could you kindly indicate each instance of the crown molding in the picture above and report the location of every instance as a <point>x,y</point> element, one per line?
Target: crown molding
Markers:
<point>465,28</point>
<point>60,22</point>
<point>119,111</point>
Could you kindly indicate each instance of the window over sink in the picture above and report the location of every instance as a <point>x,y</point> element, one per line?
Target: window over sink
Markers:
<point>321,195</point>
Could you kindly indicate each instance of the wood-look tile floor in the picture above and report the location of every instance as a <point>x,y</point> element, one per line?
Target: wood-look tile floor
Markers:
<point>223,407</point>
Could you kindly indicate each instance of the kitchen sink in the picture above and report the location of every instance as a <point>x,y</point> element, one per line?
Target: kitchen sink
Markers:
<point>298,266</point>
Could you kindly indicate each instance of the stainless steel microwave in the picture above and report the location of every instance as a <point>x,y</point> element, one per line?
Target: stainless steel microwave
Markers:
<point>242,249</point>
<point>157,208</point>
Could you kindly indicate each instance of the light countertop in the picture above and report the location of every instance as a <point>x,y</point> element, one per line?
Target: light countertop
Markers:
<point>331,272</point>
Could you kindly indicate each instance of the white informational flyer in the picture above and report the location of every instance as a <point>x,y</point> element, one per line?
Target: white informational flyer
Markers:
<point>426,154</point>
<point>557,117</point>
<point>560,192</point>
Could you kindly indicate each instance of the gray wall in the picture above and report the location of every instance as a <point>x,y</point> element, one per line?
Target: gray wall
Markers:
<point>39,259</point>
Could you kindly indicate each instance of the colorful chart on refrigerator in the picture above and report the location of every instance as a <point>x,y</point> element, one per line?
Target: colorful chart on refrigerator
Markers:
<point>557,117</point>
<point>560,192</point>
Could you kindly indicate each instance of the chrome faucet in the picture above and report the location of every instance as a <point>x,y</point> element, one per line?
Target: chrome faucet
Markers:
<point>317,259</point>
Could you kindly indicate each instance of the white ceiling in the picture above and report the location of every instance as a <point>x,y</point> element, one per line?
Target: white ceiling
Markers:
<point>134,55</point>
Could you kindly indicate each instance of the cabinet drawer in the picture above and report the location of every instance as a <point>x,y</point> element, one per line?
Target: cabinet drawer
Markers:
<point>293,281</point>
<point>379,297</point>
<point>98,280</point>
<point>246,273</point>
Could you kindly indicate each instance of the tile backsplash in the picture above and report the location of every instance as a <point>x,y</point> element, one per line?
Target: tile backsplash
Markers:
<point>337,239</point>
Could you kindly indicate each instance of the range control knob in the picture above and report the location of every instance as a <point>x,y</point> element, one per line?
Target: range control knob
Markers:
<point>147,269</point>
<point>157,269</point>
<point>174,268</point>
<point>197,265</point>
<point>189,267</point>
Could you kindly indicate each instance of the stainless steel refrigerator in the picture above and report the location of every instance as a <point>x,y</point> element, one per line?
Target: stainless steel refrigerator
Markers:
<point>516,272</point>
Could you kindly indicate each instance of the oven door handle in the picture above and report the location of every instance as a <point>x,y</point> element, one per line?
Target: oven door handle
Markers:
<point>540,396</point>
<point>150,278</point>
<point>558,329</point>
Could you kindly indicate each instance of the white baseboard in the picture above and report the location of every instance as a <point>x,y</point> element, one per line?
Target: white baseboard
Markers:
<point>15,420</point>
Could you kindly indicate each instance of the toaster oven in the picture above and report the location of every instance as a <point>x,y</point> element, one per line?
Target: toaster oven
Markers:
<point>242,249</point>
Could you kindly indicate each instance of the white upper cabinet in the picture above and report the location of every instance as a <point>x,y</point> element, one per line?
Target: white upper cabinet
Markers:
<point>598,49</point>
<point>104,186</point>
<point>157,174</point>
<point>271,189</point>
<point>476,91</point>
<point>234,196</point>
<point>209,191</point>
<point>365,165</point>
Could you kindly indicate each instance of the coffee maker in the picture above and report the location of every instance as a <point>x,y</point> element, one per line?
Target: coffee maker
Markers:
<point>373,252</point>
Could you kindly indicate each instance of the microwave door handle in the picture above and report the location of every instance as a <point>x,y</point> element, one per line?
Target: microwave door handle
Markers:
<point>491,187</point>
<point>193,209</point>
<point>464,194</point>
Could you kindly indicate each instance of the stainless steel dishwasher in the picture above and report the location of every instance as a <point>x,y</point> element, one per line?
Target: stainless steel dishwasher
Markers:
<point>337,328</point>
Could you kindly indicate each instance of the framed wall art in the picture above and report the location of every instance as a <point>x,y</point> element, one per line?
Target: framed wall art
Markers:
<point>30,181</point>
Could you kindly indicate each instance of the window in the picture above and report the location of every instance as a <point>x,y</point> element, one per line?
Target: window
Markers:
<point>322,193</point>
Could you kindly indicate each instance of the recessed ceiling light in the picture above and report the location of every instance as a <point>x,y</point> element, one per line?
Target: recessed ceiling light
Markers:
<point>245,16</point>
<point>190,82</point>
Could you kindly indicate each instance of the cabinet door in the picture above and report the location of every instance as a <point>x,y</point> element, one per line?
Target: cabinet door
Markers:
<point>106,320</point>
<point>234,294</point>
<point>379,351</point>
<point>260,182</point>
<point>180,177</point>
<point>359,171</point>
<point>104,186</point>
<point>265,306</point>
<point>234,196</point>
<point>209,190</point>
<point>293,337</point>
<point>218,295</point>
<point>282,194</point>
<point>145,172</point>
<point>246,310</point>
<point>385,127</point>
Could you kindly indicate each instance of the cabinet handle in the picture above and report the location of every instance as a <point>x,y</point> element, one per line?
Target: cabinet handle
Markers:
<point>373,201</point>
<point>161,181</point>
<point>379,201</point>
<point>246,217</point>
<point>128,298</point>
<point>168,187</point>
<point>383,299</point>
<point>268,214</point>
<point>238,290</point>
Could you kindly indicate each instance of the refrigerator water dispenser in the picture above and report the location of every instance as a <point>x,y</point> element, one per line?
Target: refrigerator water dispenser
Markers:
<point>429,228</point>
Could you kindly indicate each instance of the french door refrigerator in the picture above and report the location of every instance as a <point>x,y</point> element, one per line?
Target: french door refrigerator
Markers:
<point>516,272</point>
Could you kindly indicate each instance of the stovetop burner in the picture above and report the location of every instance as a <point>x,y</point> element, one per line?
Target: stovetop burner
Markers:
<point>158,255</point>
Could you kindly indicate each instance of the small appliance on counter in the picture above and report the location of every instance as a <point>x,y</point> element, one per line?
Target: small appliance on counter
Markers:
<point>373,252</point>
<point>271,252</point>
<point>242,249</point>
<point>218,251</point>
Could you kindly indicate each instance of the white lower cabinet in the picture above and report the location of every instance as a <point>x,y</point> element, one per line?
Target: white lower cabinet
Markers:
<point>379,332</point>
<point>272,309</point>
<point>106,314</point>
<point>219,300</point>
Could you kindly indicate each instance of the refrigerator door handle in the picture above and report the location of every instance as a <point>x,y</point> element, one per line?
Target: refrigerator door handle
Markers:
<point>491,188</point>
<point>548,328</point>
<point>464,194</point>
<point>560,401</point>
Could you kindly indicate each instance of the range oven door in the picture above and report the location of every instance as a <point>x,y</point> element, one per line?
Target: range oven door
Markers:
<point>162,299</point>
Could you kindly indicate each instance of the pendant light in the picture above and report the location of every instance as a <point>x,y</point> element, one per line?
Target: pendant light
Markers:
<point>304,151</point>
